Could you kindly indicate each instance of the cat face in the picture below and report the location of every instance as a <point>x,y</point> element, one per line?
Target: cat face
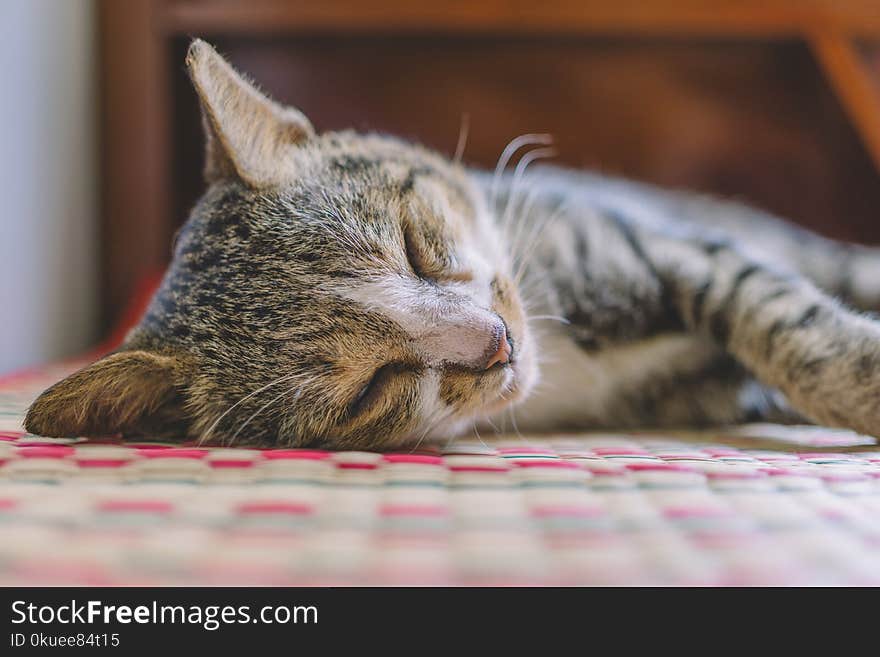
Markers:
<point>339,289</point>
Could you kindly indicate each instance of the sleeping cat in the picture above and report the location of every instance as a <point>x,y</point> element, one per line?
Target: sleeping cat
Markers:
<point>356,291</point>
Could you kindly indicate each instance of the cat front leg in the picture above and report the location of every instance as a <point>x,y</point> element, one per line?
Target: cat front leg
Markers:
<point>792,336</point>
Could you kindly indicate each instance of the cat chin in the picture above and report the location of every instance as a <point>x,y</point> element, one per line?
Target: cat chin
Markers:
<point>512,390</point>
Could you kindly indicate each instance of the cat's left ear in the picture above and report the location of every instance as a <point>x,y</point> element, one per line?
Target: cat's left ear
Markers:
<point>248,136</point>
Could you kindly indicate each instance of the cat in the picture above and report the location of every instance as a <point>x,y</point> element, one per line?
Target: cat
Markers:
<point>359,292</point>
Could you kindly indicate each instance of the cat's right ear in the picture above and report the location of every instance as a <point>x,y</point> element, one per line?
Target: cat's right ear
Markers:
<point>126,392</point>
<point>248,136</point>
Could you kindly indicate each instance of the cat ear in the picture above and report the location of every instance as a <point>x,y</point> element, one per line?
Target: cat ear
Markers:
<point>125,392</point>
<point>247,134</point>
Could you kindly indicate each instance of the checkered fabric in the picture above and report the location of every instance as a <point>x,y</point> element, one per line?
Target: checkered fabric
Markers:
<point>752,505</point>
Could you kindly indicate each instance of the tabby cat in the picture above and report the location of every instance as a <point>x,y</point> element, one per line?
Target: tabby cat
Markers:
<point>357,291</point>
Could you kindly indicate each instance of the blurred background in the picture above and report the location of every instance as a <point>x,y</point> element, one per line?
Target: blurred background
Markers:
<point>49,227</point>
<point>776,102</point>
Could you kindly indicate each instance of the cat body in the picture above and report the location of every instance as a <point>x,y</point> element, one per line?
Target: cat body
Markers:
<point>604,265</point>
<point>356,291</point>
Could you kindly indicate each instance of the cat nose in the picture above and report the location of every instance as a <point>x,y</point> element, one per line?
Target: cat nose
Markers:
<point>504,350</point>
<point>474,342</point>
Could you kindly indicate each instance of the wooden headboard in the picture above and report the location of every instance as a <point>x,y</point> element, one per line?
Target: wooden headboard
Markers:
<point>772,101</point>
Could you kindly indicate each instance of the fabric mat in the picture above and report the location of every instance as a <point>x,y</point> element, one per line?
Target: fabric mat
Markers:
<point>759,504</point>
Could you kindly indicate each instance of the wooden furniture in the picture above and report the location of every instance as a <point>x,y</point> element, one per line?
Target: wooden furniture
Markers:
<point>774,101</point>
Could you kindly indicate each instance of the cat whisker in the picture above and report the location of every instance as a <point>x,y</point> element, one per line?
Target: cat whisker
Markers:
<point>431,426</point>
<point>449,442</point>
<point>554,318</point>
<point>547,360</point>
<point>519,220</point>
<point>532,288</point>
<point>532,241</point>
<point>519,171</point>
<point>543,384</point>
<point>419,441</point>
<point>514,222</point>
<point>492,424</point>
<point>258,411</point>
<point>477,434</point>
<point>512,147</point>
<point>509,414</point>
<point>463,131</point>
<point>513,423</point>
<point>206,435</point>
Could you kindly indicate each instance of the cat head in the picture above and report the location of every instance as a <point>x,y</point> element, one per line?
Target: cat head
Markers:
<point>341,289</point>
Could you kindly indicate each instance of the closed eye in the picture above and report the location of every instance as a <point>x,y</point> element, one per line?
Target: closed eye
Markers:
<point>376,388</point>
<point>428,268</point>
<point>413,255</point>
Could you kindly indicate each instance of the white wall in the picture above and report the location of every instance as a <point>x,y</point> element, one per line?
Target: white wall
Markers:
<point>48,201</point>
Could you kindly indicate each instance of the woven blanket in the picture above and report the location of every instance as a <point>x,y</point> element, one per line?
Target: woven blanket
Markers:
<point>753,505</point>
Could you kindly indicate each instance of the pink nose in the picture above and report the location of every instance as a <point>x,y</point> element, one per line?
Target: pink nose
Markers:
<point>502,355</point>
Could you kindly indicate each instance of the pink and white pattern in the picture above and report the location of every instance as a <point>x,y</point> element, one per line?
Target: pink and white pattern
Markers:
<point>756,505</point>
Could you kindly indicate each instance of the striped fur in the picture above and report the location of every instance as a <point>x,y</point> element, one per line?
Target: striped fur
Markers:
<point>354,291</point>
